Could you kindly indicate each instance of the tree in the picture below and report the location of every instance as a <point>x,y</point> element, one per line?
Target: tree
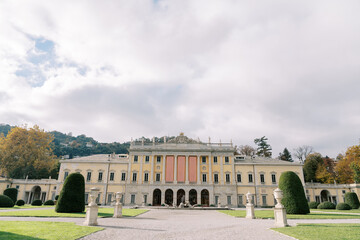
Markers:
<point>26,152</point>
<point>348,167</point>
<point>11,193</point>
<point>285,155</point>
<point>325,172</point>
<point>246,150</point>
<point>72,196</point>
<point>311,165</point>
<point>302,152</point>
<point>352,199</point>
<point>294,199</point>
<point>263,149</point>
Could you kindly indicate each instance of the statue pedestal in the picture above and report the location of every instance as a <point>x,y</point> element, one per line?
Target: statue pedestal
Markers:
<point>280,217</point>
<point>250,213</point>
<point>91,215</point>
<point>117,210</point>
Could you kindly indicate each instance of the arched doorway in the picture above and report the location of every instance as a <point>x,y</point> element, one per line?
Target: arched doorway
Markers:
<point>157,197</point>
<point>193,197</point>
<point>169,197</point>
<point>180,196</point>
<point>325,196</point>
<point>35,193</point>
<point>205,197</point>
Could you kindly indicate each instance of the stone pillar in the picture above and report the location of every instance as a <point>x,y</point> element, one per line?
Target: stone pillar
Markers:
<point>141,171</point>
<point>279,210</point>
<point>249,207</point>
<point>210,170</point>
<point>187,169</point>
<point>162,197</point>
<point>92,210</point>
<point>163,171</point>
<point>118,206</point>
<point>175,169</point>
<point>152,169</point>
<point>174,198</point>
<point>198,169</point>
<point>199,197</point>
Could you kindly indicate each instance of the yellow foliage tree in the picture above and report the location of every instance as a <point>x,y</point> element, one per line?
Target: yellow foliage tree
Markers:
<point>26,151</point>
<point>346,174</point>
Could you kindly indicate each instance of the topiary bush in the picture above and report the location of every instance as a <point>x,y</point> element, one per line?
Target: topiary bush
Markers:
<point>5,201</point>
<point>326,205</point>
<point>20,202</point>
<point>11,193</point>
<point>343,206</point>
<point>313,205</point>
<point>36,202</point>
<point>72,195</point>
<point>56,197</point>
<point>352,199</point>
<point>49,202</point>
<point>294,199</point>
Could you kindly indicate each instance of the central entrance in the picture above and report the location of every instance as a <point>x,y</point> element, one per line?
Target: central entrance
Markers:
<point>205,197</point>
<point>157,197</point>
<point>180,196</point>
<point>193,197</point>
<point>169,197</point>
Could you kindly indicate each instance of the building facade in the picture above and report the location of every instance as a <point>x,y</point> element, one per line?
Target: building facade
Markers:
<point>179,170</point>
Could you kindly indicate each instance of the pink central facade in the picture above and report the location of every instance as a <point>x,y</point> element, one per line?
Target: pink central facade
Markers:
<point>181,169</point>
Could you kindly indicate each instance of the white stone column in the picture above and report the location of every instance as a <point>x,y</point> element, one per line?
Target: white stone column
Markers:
<point>187,169</point>
<point>198,169</point>
<point>199,197</point>
<point>210,170</point>
<point>129,170</point>
<point>174,198</point>
<point>175,169</point>
<point>233,177</point>
<point>152,169</point>
<point>163,172</point>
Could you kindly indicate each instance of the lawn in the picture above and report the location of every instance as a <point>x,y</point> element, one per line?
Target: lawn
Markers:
<point>339,211</point>
<point>19,230</point>
<point>322,231</point>
<point>25,207</point>
<point>103,212</point>
<point>270,214</point>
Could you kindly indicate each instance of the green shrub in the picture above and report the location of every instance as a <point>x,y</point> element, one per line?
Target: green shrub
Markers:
<point>313,205</point>
<point>20,202</point>
<point>343,206</point>
<point>352,199</point>
<point>11,193</point>
<point>5,201</point>
<point>212,205</point>
<point>36,202</point>
<point>72,196</point>
<point>294,199</point>
<point>56,197</point>
<point>49,202</point>
<point>163,205</point>
<point>326,205</point>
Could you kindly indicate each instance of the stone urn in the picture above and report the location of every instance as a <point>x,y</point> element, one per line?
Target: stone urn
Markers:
<point>249,197</point>
<point>278,194</point>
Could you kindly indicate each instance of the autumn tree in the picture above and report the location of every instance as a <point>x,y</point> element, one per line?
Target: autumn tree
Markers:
<point>263,149</point>
<point>311,165</point>
<point>348,167</point>
<point>26,152</point>
<point>246,150</point>
<point>325,172</point>
<point>285,155</point>
<point>302,152</point>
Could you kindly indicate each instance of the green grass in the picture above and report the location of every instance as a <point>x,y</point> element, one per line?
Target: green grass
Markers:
<point>270,214</point>
<point>24,207</point>
<point>103,212</point>
<point>322,231</point>
<point>19,230</point>
<point>339,211</point>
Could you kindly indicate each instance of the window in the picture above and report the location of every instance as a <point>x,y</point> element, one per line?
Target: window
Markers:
<point>109,197</point>
<point>264,200</point>
<point>157,177</point>
<point>215,159</point>
<point>100,176</point>
<point>204,177</point>
<point>86,198</point>
<point>132,199</point>
<point>147,158</point>
<point>17,186</point>
<point>317,199</point>
<point>88,177</point>
<point>134,177</point>
<point>123,176</point>
<point>227,177</point>
<point>240,200</point>
<point>136,158</point>
<point>250,178</point>
<point>262,178</point>
<point>238,177</point>
<point>203,159</point>
<point>66,174</point>
<point>273,178</point>
<point>343,191</point>
<point>145,198</point>
<point>146,177</point>
<point>112,175</point>
<point>216,178</point>
<point>226,159</point>
<point>158,159</point>
<point>229,200</point>
<point>216,200</point>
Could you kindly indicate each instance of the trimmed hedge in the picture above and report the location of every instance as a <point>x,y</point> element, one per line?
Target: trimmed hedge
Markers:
<point>5,201</point>
<point>49,202</point>
<point>313,205</point>
<point>343,206</point>
<point>352,199</point>
<point>326,205</point>
<point>36,202</point>
<point>11,193</point>
<point>72,196</point>
<point>20,202</point>
<point>294,199</point>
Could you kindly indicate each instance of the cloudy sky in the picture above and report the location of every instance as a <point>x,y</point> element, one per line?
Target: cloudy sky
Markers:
<point>289,70</point>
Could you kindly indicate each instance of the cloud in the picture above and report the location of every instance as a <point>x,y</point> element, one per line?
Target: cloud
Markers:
<point>228,70</point>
